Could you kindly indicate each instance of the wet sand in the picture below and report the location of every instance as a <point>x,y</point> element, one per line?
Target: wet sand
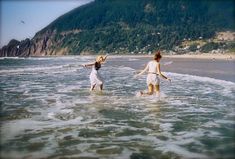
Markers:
<point>218,67</point>
<point>209,56</point>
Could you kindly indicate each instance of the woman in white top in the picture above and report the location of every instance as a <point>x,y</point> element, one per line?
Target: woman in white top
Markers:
<point>95,78</point>
<point>154,71</point>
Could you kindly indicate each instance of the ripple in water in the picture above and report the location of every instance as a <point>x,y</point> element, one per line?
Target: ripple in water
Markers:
<point>47,111</point>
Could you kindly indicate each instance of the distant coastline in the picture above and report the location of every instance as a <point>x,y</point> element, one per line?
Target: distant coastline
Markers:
<point>224,56</point>
<point>230,56</point>
<point>213,56</point>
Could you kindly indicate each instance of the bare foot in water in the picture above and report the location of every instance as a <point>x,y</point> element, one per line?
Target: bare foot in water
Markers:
<point>140,93</point>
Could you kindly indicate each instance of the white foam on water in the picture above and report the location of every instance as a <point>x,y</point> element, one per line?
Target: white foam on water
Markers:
<point>198,110</point>
<point>58,122</point>
<point>19,70</point>
<point>84,154</point>
<point>124,68</point>
<point>132,59</point>
<point>151,98</point>
<point>182,152</point>
<point>59,69</point>
<point>126,153</point>
<point>13,128</point>
<point>223,121</point>
<point>3,58</point>
<point>67,57</point>
<point>231,114</point>
<point>227,85</point>
<point>185,141</point>
<point>22,154</point>
<point>166,126</point>
<point>178,102</point>
<point>201,78</point>
<point>167,63</point>
<point>172,119</point>
<point>151,139</point>
<point>66,111</point>
<point>51,115</point>
<point>186,137</point>
<point>66,89</point>
<point>189,135</point>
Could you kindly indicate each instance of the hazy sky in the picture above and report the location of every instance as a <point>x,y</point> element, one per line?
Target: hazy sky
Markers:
<point>21,19</point>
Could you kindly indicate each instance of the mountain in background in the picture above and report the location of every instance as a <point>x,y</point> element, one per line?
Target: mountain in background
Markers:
<point>127,26</point>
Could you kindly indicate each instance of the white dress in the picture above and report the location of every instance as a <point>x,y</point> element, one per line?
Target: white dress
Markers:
<point>152,77</point>
<point>95,77</point>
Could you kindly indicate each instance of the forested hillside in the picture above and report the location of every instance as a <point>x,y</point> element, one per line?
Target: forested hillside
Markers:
<point>124,26</point>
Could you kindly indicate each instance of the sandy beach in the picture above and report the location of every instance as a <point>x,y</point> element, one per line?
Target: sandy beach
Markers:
<point>217,56</point>
<point>228,56</point>
<point>215,68</point>
<point>218,66</point>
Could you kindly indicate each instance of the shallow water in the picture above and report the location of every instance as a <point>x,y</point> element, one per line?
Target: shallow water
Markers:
<point>47,111</point>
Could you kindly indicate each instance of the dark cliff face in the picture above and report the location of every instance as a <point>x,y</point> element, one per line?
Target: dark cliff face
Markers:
<point>25,47</point>
<point>127,26</point>
<point>40,45</point>
<point>11,49</point>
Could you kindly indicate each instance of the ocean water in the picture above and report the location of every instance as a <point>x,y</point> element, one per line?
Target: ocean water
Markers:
<point>47,111</point>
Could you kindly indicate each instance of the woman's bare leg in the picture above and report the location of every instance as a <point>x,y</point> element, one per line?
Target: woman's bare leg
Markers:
<point>157,89</point>
<point>101,87</point>
<point>92,87</point>
<point>150,89</point>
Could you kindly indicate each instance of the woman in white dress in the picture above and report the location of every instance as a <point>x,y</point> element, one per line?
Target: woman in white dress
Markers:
<point>95,78</point>
<point>154,71</point>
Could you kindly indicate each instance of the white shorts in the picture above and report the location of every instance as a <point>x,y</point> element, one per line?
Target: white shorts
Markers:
<point>95,78</point>
<point>153,79</point>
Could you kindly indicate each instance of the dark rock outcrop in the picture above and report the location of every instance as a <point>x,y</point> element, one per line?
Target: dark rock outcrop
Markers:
<point>11,49</point>
<point>40,45</point>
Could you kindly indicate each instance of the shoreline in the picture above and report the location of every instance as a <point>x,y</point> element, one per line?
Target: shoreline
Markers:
<point>221,66</point>
<point>230,56</point>
<point>219,56</point>
<point>207,56</point>
<point>218,66</point>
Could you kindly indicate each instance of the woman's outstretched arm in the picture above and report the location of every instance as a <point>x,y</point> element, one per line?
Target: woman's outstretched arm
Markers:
<point>160,73</point>
<point>143,71</point>
<point>105,57</point>
<point>89,64</point>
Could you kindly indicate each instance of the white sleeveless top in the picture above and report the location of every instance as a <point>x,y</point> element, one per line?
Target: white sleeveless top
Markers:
<point>152,66</point>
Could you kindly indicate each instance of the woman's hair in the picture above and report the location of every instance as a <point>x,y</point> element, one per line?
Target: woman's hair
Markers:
<point>99,57</point>
<point>157,55</point>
